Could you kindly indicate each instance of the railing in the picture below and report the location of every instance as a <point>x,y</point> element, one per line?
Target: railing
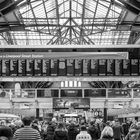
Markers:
<point>68,93</point>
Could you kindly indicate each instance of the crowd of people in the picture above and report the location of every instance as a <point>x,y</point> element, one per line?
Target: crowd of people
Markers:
<point>29,129</point>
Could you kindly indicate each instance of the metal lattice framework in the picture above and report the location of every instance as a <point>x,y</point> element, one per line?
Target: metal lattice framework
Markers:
<point>44,22</point>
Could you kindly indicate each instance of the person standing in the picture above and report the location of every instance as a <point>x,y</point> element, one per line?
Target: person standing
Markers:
<point>60,132</point>
<point>83,135</point>
<point>27,132</point>
<point>118,131</point>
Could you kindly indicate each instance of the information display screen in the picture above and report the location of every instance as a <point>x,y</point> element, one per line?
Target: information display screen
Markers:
<point>6,67</point>
<point>21,67</point>
<point>110,67</point>
<point>102,67</point>
<point>86,67</point>
<point>13,67</point>
<point>37,67</point>
<point>54,67</point>
<point>62,67</point>
<point>46,67</point>
<point>134,66</point>
<point>94,67</point>
<point>69,67</point>
<point>126,67</point>
<point>78,67</point>
<point>0,67</point>
<point>29,67</point>
<point>118,67</point>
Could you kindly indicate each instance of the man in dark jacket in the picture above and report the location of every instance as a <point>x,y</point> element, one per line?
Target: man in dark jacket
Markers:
<point>72,131</point>
<point>94,131</point>
<point>118,131</point>
<point>61,133</point>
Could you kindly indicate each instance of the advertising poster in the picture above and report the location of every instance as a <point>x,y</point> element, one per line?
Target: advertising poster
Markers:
<point>71,103</point>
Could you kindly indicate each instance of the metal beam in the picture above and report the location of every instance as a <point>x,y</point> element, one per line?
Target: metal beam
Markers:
<point>59,78</point>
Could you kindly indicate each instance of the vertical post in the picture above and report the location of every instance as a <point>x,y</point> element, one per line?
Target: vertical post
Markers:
<point>105,114</point>
<point>37,112</point>
<point>105,111</point>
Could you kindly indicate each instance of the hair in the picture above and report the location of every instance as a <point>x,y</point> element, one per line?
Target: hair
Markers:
<point>107,131</point>
<point>83,128</point>
<point>60,125</point>
<point>92,122</point>
<point>26,121</point>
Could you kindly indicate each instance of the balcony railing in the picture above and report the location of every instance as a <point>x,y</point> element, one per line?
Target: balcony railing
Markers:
<point>107,93</point>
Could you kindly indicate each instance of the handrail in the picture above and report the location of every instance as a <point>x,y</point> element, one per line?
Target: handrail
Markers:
<point>106,93</point>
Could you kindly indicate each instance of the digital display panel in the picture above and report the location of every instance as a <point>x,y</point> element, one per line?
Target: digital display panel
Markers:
<point>0,67</point>
<point>102,67</point>
<point>78,67</point>
<point>86,67</point>
<point>110,67</point>
<point>62,67</point>
<point>21,67</point>
<point>46,67</point>
<point>13,67</point>
<point>118,67</point>
<point>37,67</point>
<point>71,93</point>
<point>54,67</point>
<point>6,67</point>
<point>134,66</point>
<point>94,67</point>
<point>71,103</point>
<point>29,67</point>
<point>126,93</point>
<point>70,67</point>
<point>126,67</point>
<point>95,93</point>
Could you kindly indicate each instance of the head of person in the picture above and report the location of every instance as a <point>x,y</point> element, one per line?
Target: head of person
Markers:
<point>26,121</point>
<point>60,126</point>
<point>83,128</point>
<point>107,131</point>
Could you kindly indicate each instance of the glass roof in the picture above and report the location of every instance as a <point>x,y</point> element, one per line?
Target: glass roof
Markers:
<point>43,22</point>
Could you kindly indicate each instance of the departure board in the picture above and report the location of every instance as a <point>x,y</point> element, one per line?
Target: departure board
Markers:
<point>62,67</point>
<point>37,67</point>
<point>94,67</point>
<point>29,67</point>
<point>78,67</point>
<point>134,66</point>
<point>118,67</point>
<point>126,67</point>
<point>13,67</point>
<point>70,67</point>
<point>110,67</point>
<point>21,67</point>
<point>0,67</point>
<point>6,67</point>
<point>102,67</point>
<point>46,67</point>
<point>86,67</point>
<point>54,67</point>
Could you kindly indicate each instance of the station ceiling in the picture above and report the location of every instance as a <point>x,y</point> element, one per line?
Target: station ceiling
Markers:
<point>79,22</point>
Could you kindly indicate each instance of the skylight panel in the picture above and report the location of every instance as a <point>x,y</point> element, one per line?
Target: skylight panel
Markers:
<point>91,5</point>
<point>39,11</point>
<point>105,3</point>
<point>36,3</point>
<point>80,1</point>
<point>101,11</point>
